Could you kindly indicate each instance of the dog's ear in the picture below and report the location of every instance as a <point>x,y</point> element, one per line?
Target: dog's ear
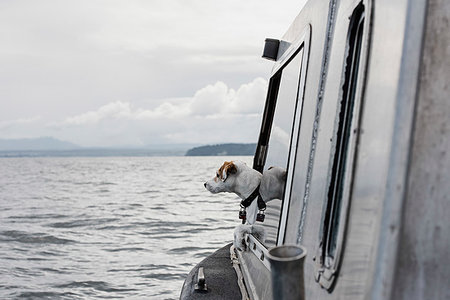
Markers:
<point>227,168</point>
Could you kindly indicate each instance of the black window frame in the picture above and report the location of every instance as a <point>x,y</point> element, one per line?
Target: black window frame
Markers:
<point>259,159</point>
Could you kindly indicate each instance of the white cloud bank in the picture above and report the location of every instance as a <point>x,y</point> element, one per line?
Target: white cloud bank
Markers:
<point>216,100</point>
<point>214,114</point>
<point>17,122</point>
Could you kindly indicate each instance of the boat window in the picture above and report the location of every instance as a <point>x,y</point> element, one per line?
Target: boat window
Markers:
<point>343,155</point>
<point>275,138</point>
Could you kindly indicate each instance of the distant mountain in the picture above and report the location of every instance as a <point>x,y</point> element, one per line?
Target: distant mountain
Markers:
<point>222,149</point>
<point>51,147</point>
<point>42,143</point>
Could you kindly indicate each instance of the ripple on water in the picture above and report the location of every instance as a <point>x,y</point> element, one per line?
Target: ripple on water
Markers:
<point>51,270</point>
<point>96,285</point>
<point>164,276</point>
<point>147,267</point>
<point>82,223</point>
<point>46,295</point>
<point>38,216</point>
<point>131,249</point>
<point>31,238</point>
<point>186,249</point>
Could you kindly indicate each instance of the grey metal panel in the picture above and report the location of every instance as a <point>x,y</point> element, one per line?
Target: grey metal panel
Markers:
<point>410,29</point>
<point>316,16</point>
<point>423,255</point>
<point>354,272</point>
<point>256,276</point>
<point>370,266</point>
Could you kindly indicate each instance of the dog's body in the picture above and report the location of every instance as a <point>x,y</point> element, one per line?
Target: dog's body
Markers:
<point>236,177</point>
<point>272,184</point>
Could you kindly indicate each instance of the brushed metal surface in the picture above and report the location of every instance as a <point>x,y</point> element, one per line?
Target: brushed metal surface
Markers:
<point>396,240</point>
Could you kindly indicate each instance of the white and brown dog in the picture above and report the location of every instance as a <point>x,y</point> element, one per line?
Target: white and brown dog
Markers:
<point>236,177</point>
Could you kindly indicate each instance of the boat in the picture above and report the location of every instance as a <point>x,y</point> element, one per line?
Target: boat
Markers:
<point>358,113</point>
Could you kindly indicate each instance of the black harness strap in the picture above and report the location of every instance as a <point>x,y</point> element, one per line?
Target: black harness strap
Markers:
<point>261,204</point>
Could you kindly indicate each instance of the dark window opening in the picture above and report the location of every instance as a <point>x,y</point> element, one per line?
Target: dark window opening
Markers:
<point>269,110</point>
<point>343,158</point>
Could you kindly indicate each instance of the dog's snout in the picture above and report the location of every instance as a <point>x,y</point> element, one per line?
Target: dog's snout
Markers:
<point>204,184</point>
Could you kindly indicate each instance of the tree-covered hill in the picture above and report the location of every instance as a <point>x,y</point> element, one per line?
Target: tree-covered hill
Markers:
<point>222,149</point>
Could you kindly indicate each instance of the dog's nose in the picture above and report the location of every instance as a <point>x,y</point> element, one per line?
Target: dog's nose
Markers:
<point>204,184</point>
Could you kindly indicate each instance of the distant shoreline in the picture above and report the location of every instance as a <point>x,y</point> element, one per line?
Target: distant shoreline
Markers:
<point>91,153</point>
<point>231,149</point>
<point>223,150</point>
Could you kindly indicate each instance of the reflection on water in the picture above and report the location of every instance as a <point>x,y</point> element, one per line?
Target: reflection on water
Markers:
<point>110,227</point>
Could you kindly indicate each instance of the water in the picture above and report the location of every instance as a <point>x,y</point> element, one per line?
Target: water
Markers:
<point>111,227</point>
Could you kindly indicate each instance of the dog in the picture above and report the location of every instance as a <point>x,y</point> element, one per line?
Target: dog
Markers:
<point>236,177</point>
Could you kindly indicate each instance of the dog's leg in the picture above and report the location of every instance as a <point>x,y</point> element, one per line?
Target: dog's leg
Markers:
<point>252,212</point>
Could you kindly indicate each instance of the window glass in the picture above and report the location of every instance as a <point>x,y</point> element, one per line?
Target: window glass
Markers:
<point>280,140</point>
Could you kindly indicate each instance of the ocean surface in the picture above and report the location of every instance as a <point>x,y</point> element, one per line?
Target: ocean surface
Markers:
<point>108,227</point>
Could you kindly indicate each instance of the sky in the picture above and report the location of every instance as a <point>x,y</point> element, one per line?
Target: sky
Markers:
<point>133,73</point>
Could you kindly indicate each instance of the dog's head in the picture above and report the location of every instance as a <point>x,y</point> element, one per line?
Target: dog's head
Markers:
<point>224,179</point>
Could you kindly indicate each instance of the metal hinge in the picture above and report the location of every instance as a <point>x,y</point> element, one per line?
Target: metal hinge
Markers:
<point>324,276</point>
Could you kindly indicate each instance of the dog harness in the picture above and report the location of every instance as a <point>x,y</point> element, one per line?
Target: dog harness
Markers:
<point>246,203</point>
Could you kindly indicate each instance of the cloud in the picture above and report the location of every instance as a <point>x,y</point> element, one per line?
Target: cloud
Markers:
<point>220,99</point>
<point>213,100</point>
<point>215,113</point>
<point>20,121</point>
<point>114,110</point>
<point>119,110</point>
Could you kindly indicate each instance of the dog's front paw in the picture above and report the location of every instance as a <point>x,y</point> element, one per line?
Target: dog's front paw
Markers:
<point>239,236</point>
<point>240,245</point>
